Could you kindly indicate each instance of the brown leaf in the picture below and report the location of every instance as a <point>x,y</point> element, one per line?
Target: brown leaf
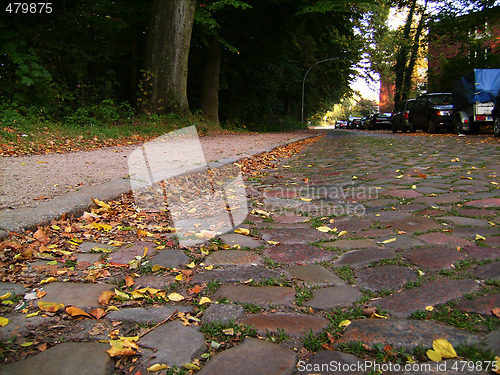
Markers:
<point>98,313</point>
<point>368,311</point>
<point>40,293</point>
<point>76,312</point>
<point>129,281</point>
<point>496,311</point>
<point>42,347</point>
<point>195,290</point>
<point>41,236</point>
<point>421,175</point>
<point>105,297</point>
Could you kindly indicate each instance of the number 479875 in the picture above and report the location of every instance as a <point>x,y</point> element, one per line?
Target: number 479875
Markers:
<point>29,8</point>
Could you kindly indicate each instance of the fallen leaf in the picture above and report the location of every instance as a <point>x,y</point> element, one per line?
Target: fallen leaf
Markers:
<point>496,311</point>
<point>50,307</point>
<point>111,308</point>
<point>195,290</point>
<point>41,236</point>
<point>157,367</point>
<point>204,300</point>
<point>105,297</point>
<point>121,295</point>
<point>32,314</point>
<point>444,348</point>
<point>306,199</point>
<point>228,331</point>
<point>176,297</point>
<point>496,368</point>
<point>344,323</point>
<point>377,316</point>
<point>114,351</point>
<point>26,344</point>
<point>421,175</point>
<point>433,355</point>
<point>479,238</point>
<point>191,265</point>
<point>129,281</point>
<point>324,229</point>
<point>5,296</point>
<point>98,313</point>
<point>191,367</point>
<point>429,308</point>
<point>243,231</point>
<point>342,233</point>
<point>77,312</point>
<point>42,347</point>
<point>3,321</point>
<point>273,242</point>
<point>387,241</point>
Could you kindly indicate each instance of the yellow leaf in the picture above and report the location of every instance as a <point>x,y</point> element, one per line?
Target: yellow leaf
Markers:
<point>413,186</point>
<point>191,265</point>
<point>179,277</point>
<point>400,176</point>
<point>465,178</point>
<point>444,348</point>
<point>121,295</point>
<point>261,212</point>
<point>494,183</point>
<point>101,204</point>
<point>344,323</point>
<point>76,312</point>
<point>354,177</point>
<point>111,308</point>
<point>25,344</point>
<point>157,367</point>
<point>148,290</point>
<point>32,314</point>
<point>388,241</point>
<point>176,297</point>
<point>244,231</point>
<point>273,242</point>
<point>156,268</point>
<point>190,367</point>
<point>101,226</point>
<point>342,233</point>
<point>228,331</point>
<point>204,300</point>
<point>420,273</point>
<point>479,238</point>
<point>209,268</point>
<point>496,368</point>
<point>324,229</point>
<point>3,321</point>
<point>114,351</point>
<point>105,297</point>
<point>48,280</point>
<point>377,316</point>
<point>50,306</point>
<point>5,296</point>
<point>433,355</point>
<point>306,199</point>
<point>429,308</point>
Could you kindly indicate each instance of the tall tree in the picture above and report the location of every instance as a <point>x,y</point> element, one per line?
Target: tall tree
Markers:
<point>167,56</point>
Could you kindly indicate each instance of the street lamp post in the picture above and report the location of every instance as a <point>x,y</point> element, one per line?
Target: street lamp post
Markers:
<point>304,81</point>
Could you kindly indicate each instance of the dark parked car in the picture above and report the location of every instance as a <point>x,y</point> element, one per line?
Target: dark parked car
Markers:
<point>356,123</point>
<point>382,121</point>
<point>341,124</point>
<point>431,112</point>
<point>400,118</point>
<point>496,116</point>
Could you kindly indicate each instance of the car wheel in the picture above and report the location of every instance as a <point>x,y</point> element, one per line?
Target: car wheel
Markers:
<point>496,126</point>
<point>431,128</point>
<point>411,127</point>
<point>457,126</point>
<point>394,129</point>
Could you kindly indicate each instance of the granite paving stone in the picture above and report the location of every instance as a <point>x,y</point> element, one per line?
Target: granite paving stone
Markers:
<point>388,277</point>
<point>401,242</point>
<point>475,212</point>
<point>232,239</point>
<point>484,203</point>
<point>493,241</point>
<point>414,224</point>
<point>404,303</point>
<point>296,325</point>
<point>235,274</point>
<point>170,258</point>
<point>402,333</point>
<point>154,281</point>
<point>127,253</point>
<point>481,305</point>
<point>55,360</point>
<point>259,295</point>
<point>175,344</point>
<point>75,294</point>
<point>434,258</point>
<point>463,221</point>
<point>493,342</point>
<point>294,235</point>
<point>19,325</point>
<point>233,258</point>
<point>384,216</point>
<point>481,252</point>
<point>144,315</point>
<point>360,258</point>
<point>443,239</point>
<point>351,244</point>
<point>222,313</point>
<point>298,253</point>
<point>489,271</point>
<point>335,363</point>
<point>470,232</point>
<point>86,247</point>
<point>350,225</point>
<point>252,357</point>
<point>313,275</point>
<point>402,193</point>
<point>331,297</point>
<point>289,218</point>
<point>12,288</point>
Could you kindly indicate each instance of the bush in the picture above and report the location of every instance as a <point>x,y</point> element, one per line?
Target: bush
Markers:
<point>105,113</point>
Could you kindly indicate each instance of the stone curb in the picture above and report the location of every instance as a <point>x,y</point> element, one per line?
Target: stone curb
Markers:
<point>76,202</point>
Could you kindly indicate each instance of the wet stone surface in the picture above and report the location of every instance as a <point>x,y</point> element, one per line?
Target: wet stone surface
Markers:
<point>489,271</point>
<point>385,277</point>
<point>481,305</point>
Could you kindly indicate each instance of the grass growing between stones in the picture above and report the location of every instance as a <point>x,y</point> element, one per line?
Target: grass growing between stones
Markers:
<point>224,336</point>
<point>447,313</point>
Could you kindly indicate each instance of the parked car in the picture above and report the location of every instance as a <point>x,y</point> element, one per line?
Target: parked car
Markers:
<point>382,121</point>
<point>371,122</point>
<point>431,112</point>
<point>356,123</point>
<point>341,124</point>
<point>496,116</point>
<point>473,99</point>
<point>401,115</point>
<point>366,123</point>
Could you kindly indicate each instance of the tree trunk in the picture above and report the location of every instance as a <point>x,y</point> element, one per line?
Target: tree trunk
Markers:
<point>167,55</point>
<point>210,88</point>
<point>402,57</point>
<point>413,56</point>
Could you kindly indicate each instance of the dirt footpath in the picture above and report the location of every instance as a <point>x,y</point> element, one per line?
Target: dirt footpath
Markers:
<point>26,181</point>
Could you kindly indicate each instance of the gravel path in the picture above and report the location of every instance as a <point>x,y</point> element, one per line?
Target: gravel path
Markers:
<point>26,181</point>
